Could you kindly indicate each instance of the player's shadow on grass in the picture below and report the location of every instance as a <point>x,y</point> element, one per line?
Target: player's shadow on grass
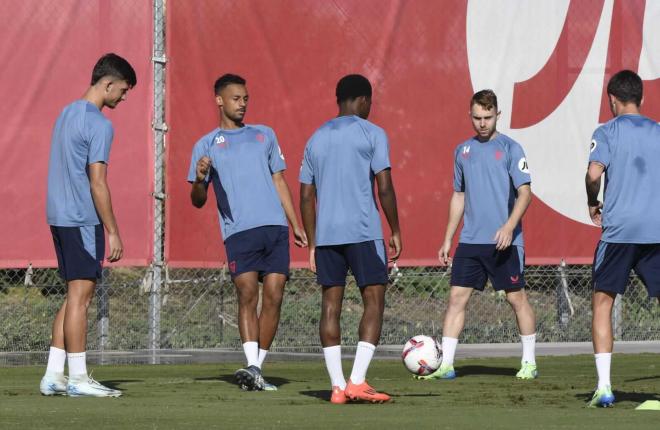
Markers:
<point>484,370</point>
<point>319,394</point>
<point>646,378</point>
<point>229,378</point>
<point>115,384</point>
<point>623,396</point>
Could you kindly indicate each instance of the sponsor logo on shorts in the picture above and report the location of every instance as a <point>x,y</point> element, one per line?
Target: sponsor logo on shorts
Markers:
<point>232,266</point>
<point>514,279</point>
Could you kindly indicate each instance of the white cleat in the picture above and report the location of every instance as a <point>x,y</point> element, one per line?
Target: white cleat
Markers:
<point>88,387</point>
<point>53,384</point>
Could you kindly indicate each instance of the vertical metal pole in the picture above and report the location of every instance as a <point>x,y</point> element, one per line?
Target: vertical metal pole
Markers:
<point>562,304</point>
<point>160,128</point>
<point>103,314</point>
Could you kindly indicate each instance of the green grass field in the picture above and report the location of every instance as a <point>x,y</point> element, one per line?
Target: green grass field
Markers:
<point>486,396</point>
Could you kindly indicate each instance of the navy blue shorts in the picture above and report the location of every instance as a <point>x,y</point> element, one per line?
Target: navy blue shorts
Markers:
<point>613,261</point>
<point>261,249</point>
<point>473,265</point>
<point>365,259</point>
<point>80,251</point>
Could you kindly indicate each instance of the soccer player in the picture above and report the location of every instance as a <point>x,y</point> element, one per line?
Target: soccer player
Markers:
<point>245,165</point>
<point>78,207</point>
<point>341,161</point>
<point>491,193</point>
<point>627,149</point>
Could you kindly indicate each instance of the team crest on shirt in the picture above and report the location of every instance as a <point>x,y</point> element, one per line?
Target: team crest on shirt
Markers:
<point>261,138</point>
<point>221,141</point>
<point>466,152</point>
<point>522,165</point>
<point>594,144</point>
<point>498,155</point>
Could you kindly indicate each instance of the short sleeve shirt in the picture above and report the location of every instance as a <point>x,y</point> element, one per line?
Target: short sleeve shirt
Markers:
<point>242,164</point>
<point>81,136</point>
<point>489,173</point>
<point>629,148</point>
<point>341,159</point>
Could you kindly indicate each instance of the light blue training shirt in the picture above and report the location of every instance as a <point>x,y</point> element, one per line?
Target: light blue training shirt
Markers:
<point>82,136</point>
<point>341,159</point>
<point>489,173</point>
<point>629,148</point>
<point>243,161</point>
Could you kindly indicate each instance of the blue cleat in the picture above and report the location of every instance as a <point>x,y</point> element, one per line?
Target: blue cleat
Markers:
<point>603,397</point>
<point>443,372</point>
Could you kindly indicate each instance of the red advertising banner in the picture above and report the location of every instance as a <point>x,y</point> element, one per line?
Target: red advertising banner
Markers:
<point>548,63</point>
<point>48,51</point>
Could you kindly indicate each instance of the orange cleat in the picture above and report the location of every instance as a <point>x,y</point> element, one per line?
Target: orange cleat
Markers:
<point>338,396</point>
<point>364,392</point>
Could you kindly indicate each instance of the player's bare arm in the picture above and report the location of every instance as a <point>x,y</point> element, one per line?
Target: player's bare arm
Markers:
<point>504,236</point>
<point>308,215</point>
<point>287,204</point>
<point>198,193</point>
<point>387,198</point>
<point>456,209</point>
<point>103,203</point>
<point>592,181</point>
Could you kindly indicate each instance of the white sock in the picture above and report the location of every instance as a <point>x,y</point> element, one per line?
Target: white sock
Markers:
<point>251,350</point>
<point>363,355</point>
<point>77,364</point>
<point>262,356</point>
<point>448,350</point>
<point>332,356</point>
<point>528,346</point>
<point>603,362</point>
<point>56,359</point>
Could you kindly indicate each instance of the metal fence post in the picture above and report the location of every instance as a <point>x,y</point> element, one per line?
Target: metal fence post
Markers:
<point>564,305</point>
<point>103,314</point>
<point>160,128</point>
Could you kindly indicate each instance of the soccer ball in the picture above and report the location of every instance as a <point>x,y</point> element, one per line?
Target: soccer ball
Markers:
<point>422,355</point>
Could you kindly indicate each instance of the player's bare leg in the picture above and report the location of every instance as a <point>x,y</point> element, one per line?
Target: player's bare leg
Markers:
<point>455,313</point>
<point>78,298</point>
<point>527,327</point>
<point>57,339</point>
<point>524,313</point>
<point>603,303</point>
<point>271,304</point>
<point>373,299</point>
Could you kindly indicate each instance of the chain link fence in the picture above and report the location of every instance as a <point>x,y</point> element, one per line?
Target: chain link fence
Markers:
<point>198,309</point>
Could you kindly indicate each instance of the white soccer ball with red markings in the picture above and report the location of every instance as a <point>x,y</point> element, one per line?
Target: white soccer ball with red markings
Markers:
<point>422,355</point>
